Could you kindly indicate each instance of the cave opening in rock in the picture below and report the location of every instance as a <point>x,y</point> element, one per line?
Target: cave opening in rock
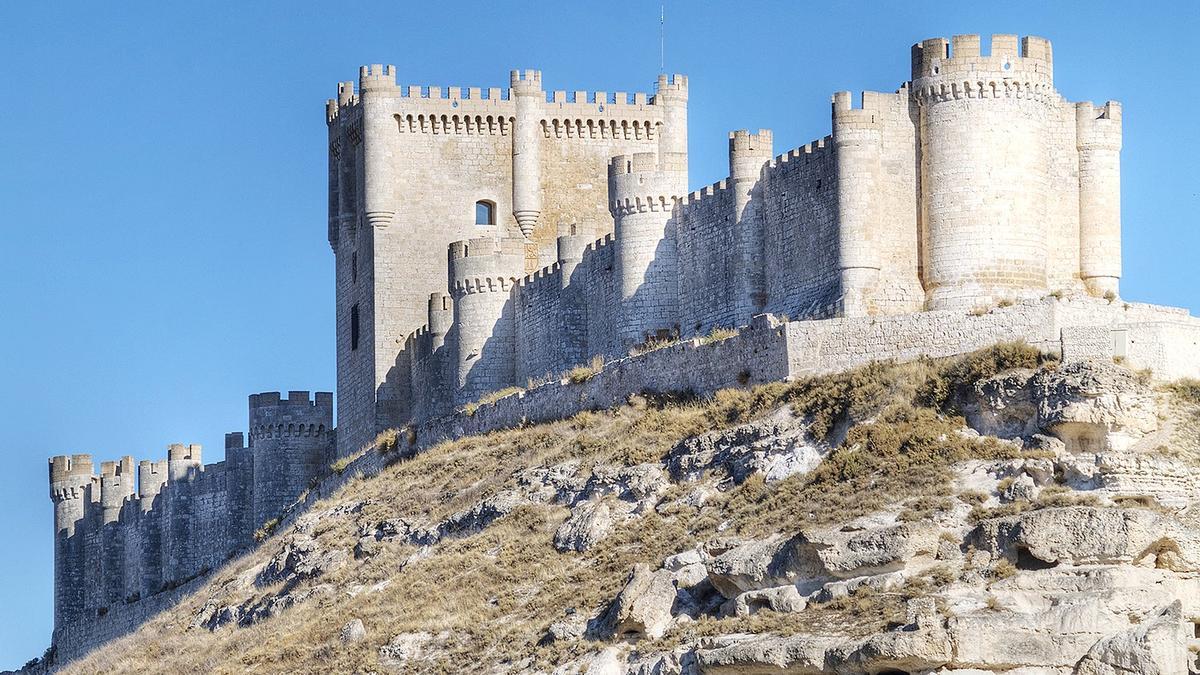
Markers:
<point>1028,561</point>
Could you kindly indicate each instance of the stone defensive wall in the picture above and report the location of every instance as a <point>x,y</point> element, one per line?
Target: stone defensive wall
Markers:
<point>125,543</point>
<point>1163,340</point>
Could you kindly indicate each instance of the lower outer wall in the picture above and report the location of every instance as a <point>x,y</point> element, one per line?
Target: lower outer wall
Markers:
<point>1162,338</point>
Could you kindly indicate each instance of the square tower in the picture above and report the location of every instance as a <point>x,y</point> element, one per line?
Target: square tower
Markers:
<point>413,169</point>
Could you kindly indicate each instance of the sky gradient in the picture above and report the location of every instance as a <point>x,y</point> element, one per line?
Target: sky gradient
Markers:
<point>162,204</point>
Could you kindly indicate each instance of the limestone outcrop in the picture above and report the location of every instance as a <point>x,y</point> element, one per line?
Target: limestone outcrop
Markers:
<point>1027,553</point>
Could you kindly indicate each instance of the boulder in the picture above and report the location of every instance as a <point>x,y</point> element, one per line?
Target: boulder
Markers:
<point>353,631</point>
<point>643,608</point>
<point>783,599</point>
<point>742,654</point>
<point>766,563</point>
<point>589,523</point>
<point>405,648</point>
<point>874,550</point>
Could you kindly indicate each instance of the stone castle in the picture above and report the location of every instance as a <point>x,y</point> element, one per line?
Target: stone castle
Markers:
<point>492,239</point>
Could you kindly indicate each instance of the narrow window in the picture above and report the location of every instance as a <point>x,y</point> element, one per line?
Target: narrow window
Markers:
<point>485,213</point>
<point>354,327</point>
<point>354,267</point>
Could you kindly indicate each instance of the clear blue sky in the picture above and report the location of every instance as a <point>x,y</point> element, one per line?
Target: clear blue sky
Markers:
<point>162,177</point>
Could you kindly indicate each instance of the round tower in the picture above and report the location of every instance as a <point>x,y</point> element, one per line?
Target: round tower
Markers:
<point>748,153</point>
<point>377,93</point>
<point>71,485</point>
<point>291,439</point>
<point>441,319</point>
<point>183,461</point>
<point>672,94</point>
<point>643,193</point>
<point>1098,139</point>
<point>570,250</point>
<point>527,98</point>
<point>482,275</point>
<point>117,485</point>
<point>116,490</point>
<point>984,165</point>
<point>857,141</point>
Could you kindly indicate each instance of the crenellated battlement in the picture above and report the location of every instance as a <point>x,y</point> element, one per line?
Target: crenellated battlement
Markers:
<point>743,140</point>
<point>1098,127</point>
<point>525,81</point>
<point>66,467</point>
<point>797,159</point>
<point>295,400</point>
<point>377,77</point>
<point>485,266</point>
<point>672,88</point>
<point>645,182</point>
<point>180,452</point>
<point>541,276</point>
<point>717,189</point>
<point>950,69</point>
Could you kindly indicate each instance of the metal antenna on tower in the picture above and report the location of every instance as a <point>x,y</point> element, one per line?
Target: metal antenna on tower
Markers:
<point>662,37</point>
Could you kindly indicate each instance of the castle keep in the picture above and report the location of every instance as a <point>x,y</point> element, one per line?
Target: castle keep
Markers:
<point>493,239</point>
<point>975,183</point>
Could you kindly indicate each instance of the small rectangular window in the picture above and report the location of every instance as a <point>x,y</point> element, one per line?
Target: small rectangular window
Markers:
<point>354,327</point>
<point>354,267</point>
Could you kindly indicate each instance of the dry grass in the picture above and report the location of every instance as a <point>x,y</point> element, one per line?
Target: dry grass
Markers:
<point>581,374</point>
<point>495,592</point>
<point>719,334</point>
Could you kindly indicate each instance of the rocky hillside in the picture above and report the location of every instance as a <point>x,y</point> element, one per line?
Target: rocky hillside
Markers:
<point>995,513</point>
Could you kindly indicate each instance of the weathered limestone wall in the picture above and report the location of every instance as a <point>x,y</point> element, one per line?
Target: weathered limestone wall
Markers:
<point>999,171</point>
<point>123,543</point>
<point>801,223</point>
<point>291,440</point>
<point>407,166</point>
<point>707,244</point>
<point>539,304</point>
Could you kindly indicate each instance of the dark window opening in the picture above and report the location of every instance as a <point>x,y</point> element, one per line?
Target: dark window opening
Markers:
<point>485,213</point>
<point>354,267</point>
<point>354,327</point>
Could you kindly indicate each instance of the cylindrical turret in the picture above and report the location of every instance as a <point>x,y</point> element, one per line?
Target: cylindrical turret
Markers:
<point>747,154</point>
<point>291,442</point>
<point>570,250</point>
<point>644,192</point>
<point>151,478</point>
<point>482,275</point>
<point>984,173</point>
<point>858,144</point>
<point>340,211</point>
<point>572,338</point>
<point>527,98</point>
<point>116,489</point>
<point>1098,139</point>
<point>183,461</point>
<point>441,318</point>
<point>377,91</point>
<point>71,485</point>
<point>672,94</point>
<point>117,484</point>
